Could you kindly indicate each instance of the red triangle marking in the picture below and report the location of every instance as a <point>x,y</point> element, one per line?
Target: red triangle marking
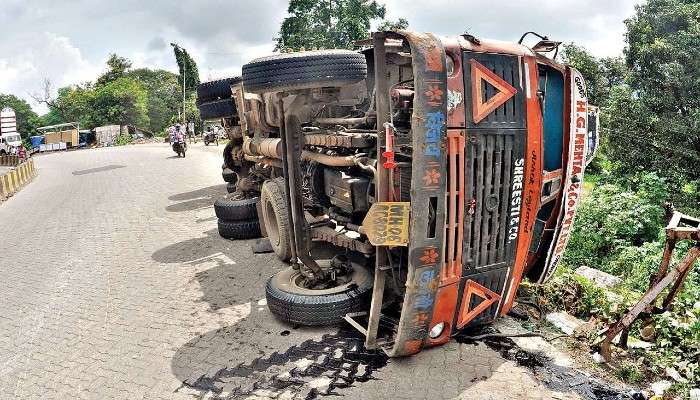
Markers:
<point>474,289</point>
<point>505,91</point>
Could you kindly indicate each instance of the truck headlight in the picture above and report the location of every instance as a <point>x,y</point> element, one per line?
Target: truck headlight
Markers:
<point>436,330</point>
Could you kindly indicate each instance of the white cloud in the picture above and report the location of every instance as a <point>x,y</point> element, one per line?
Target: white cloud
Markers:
<point>28,59</point>
<point>595,24</point>
<point>76,37</point>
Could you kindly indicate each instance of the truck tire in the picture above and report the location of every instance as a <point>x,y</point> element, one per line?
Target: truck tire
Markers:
<point>216,90</point>
<point>228,156</point>
<point>275,217</point>
<point>239,229</point>
<point>217,109</point>
<point>304,70</point>
<point>292,303</point>
<point>229,175</point>
<point>230,208</point>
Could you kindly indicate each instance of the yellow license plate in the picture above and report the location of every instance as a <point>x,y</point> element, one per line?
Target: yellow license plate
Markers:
<point>387,223</point>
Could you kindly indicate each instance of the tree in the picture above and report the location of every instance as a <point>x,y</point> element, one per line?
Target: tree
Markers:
<point>327,24</point>
<point>27,120</point>
<point>123,101</point>
<point>118,66</point>
<point>601,75</point>
<point>164,95</point>
<point>662,104</point>
<point>186,65</point>
<point>387,25</point>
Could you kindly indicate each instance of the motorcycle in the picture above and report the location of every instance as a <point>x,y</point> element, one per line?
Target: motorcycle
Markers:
<point>179,145</point>
<point>211,137</point>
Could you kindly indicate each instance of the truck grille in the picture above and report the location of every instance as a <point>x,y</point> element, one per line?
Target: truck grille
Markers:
<point>493,146</point>
<point>490,159</point>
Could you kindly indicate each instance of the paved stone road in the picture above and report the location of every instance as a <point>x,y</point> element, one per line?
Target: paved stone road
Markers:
<point>115,284</point>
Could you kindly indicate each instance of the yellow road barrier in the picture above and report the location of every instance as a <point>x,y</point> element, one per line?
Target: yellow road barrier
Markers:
<point>12,181</point>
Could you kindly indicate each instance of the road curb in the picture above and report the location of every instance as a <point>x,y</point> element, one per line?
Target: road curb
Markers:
<point>14,180</point>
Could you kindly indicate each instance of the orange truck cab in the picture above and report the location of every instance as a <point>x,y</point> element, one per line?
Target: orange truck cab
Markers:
<point>501,135</point>
<point>444,170</point>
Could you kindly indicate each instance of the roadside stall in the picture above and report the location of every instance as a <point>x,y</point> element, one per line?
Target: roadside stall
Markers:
<point>59,137</point>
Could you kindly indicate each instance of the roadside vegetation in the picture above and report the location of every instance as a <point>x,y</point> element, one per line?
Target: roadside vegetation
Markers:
<point>649,161</point>
<point>150,99</point>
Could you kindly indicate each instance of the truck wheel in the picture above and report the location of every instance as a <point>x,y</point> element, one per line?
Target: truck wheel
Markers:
<point>293,303</point>
<point>217,109</point>
<point>275,217</point>
<point>231,208</point>
<point>304,70</point>
<point>228,156</point>
<point>229,175</point>
<point>216,90</point>
<point>239,229</point>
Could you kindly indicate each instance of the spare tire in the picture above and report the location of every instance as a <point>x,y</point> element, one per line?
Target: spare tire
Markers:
<point>228,156</point>
<point>304,70</point>
<point>275,218</point>
<point>217,109</point>
<point>232,208</point>
<point>293,303</point>
<point>239,229</point>
<point>216,90</point>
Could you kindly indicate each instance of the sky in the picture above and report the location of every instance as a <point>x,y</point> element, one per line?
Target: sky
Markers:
<point>68,41</point>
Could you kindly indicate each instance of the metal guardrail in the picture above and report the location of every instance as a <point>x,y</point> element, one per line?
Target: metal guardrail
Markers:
<point>12,181</point>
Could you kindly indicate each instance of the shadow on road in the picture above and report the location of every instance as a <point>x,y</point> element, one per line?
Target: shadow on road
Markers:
<point>191,249</point>
<point>98,169</point>
<point>237,275</point>
<point>196,199</point>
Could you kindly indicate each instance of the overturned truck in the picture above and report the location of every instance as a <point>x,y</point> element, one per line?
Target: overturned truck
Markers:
<point>442,171</point>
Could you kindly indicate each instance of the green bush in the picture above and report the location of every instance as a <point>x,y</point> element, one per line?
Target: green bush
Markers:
<point>123,140</point>
<point>614,216</point>
<point>619,229</point>
<point>629,372</point>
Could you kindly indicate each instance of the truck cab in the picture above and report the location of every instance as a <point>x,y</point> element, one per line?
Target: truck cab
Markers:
<point>445,169</point>
<point>10,139</point>
<point>9,143</point>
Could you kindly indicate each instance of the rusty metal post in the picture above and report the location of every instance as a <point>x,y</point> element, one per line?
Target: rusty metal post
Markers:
<point>677,275</point>
<point>382,100</point>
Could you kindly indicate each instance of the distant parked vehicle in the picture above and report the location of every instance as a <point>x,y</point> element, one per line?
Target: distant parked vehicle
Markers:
<point>9,137</point>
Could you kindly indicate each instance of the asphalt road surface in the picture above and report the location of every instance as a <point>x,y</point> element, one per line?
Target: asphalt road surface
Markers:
<point>115,284</point>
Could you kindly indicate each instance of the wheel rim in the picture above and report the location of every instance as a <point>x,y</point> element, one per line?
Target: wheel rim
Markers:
<point>289,281</point>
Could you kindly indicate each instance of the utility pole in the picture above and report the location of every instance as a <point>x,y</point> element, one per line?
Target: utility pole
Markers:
<point>184,115</point>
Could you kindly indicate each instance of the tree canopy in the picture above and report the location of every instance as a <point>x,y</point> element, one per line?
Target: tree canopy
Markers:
<point>149,99</point>
<point>117,69</point>
<point>401,23</point>
<point>327,24</point>
<point>164,95</point>
<point>650,97</point>
<point>188,66</point>
<point>655,121</point>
